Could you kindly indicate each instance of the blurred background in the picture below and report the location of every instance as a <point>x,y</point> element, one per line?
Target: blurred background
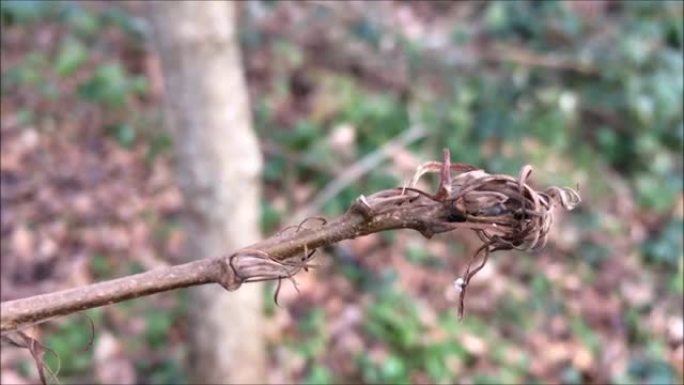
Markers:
<point>589,93</point>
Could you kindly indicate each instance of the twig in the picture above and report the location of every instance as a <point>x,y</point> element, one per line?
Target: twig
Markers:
<point>533,59</point>
<point>229,270</point>
<point>357,170</point>
<point>21,313</point>
<point>271,148</point>
<point>504,211</point>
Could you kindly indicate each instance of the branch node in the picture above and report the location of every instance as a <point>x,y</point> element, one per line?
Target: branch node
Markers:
<point>362,207</point>
<point>227,276</point>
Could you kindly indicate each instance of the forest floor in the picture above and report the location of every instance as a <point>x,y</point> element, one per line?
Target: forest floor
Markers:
<point>89,192</point>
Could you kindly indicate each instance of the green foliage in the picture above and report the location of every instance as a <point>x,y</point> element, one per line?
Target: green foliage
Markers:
<point>28,73</point>
<point>26,116</point>
<point>40,76</point>
<point>630,109</point>
<point>110,85</point>
<point>677,280</point>
<point>123,133</point>
<point>72,55</point>
<point>157,328</point>
<point>100,267</point>
<point>270,217</point>
<point>313,341</point>
<point>24,11</point>
<point>666,247</point>
<point>318,375</point>
<point>378,118</point>
<point>82,22</point>
<point>158,368</point>
<point>416,253</point>
<point>594,253</point>
<point>165,372</point>
<point>135,267</point>
<point>69,342</point>
<point>367,31</point>
<point>511,312</point>
<point>133,26</point>
<point>391,370</point>
<point>585,334</point>
<point>159,143</point>
<point>304,136</point>
<point>572,376</point>
<point>652,371</point>
<point>393,320</point>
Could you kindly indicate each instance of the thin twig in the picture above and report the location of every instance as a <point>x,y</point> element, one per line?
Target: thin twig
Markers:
<point>533,59</point>
<point>224,270</point>
<point>359,169</point>
<point>21,313</point>
<point>503,210</point>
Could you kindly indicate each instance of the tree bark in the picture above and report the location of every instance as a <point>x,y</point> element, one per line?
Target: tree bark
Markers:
<point>219,166</point>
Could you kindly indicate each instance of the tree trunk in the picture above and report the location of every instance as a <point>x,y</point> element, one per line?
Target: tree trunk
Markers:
<point>219,166</point>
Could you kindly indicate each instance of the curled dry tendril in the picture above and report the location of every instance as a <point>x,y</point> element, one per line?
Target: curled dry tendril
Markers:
<point>254,265</point>
<point>505,212</point>
<point>23,340</point>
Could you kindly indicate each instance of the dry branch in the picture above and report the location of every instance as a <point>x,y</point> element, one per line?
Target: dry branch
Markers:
<point>272,258</point>
<point>504,211</point>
